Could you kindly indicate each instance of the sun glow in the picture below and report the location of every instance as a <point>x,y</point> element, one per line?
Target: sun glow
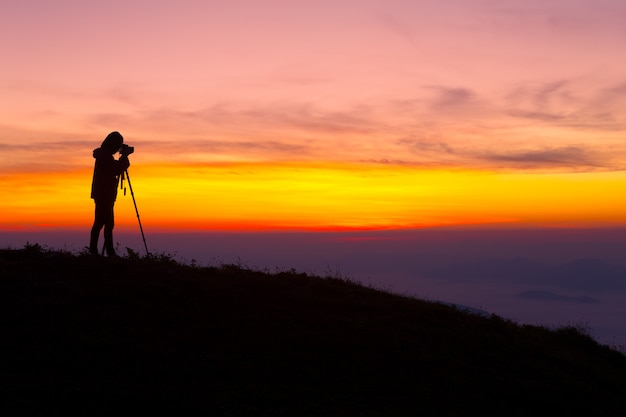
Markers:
<point>309,196</point>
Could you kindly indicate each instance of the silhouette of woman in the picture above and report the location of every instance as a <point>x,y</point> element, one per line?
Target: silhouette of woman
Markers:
<point>106,174</point>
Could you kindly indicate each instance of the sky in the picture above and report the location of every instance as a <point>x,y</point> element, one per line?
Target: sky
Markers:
<point>254,114</point>
<point>316,116</point>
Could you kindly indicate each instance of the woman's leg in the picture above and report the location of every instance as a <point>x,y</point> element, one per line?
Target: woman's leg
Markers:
<point>108,230</point>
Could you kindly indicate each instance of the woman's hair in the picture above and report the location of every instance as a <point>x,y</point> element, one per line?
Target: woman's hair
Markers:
<point>113,142</point>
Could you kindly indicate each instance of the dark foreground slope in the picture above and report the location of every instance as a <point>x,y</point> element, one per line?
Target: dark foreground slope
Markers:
<point>98,337</point>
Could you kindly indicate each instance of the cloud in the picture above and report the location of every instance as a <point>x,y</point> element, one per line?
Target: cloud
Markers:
<point>550,91</point>
<point>427,146</point>
<point>47,157</point>
<point>36,147</point>
<point>618,91</point>
<point>574,157</point>
<point>452,97</point>
<point>446,125</point>
<point>212,149</point>
<point>260,118</point>
<point>541,116</point>
<point>569,158</point>
<point>569,104</point>
<point>262,131</point>
<point>554,19</point>
<point>610,101</point>
<point>308,118</point>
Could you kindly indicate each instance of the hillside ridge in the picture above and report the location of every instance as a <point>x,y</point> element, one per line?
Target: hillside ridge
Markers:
<point>150,334</point>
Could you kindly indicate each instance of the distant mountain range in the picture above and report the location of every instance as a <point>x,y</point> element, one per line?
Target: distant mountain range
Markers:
<point>550,296</point>
<point>588,275</point>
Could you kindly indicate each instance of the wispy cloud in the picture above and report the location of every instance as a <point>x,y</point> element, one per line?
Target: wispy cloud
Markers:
<point>568,158</point>
<point>211,150</point>
<point>571,157</point>
<point>46,156</point>
<point>452,97</point>
<point>436,124</point>
<point>427,146</point>
<point>260,117</point>
<point>562,103</point>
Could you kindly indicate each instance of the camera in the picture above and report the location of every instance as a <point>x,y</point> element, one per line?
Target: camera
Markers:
<point>126,150</point>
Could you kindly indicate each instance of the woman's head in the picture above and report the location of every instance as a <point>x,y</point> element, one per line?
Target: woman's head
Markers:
<point>113,142</point>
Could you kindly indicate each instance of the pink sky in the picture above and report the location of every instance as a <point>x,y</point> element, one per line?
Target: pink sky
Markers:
<point>528,95</point>
<point>478,83</point>
<point>533,92</point>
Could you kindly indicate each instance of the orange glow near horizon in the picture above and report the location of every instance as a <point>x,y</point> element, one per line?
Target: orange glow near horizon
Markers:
<point>324,196</point>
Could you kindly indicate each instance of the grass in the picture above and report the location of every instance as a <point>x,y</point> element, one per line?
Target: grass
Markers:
<point>93,336</point>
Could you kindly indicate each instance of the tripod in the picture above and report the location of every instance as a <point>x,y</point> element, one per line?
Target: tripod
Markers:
<point>125,175</point>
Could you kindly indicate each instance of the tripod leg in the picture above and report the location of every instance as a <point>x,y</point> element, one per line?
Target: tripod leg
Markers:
<point>137,211</point>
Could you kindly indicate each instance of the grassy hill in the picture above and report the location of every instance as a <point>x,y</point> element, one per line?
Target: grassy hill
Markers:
<point>92,336</point>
